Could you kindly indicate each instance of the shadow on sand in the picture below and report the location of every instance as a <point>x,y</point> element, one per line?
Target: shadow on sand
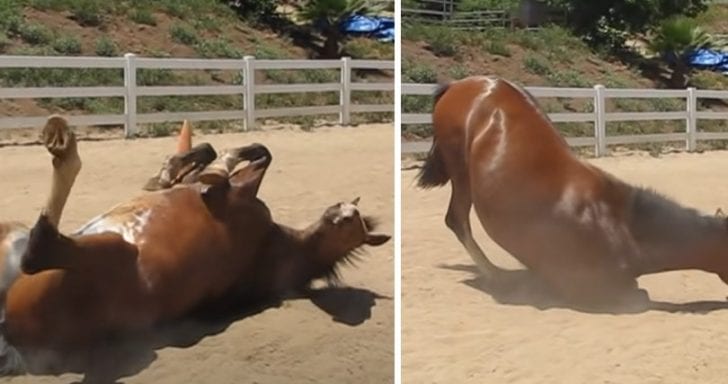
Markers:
<point>130,354</point>
<point>522,287</point>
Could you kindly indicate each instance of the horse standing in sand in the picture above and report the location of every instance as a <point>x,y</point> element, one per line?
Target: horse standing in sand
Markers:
<point>586,233</point>
<point>162,255</point>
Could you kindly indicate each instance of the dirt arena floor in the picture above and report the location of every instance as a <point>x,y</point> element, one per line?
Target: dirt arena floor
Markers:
<point>457,330</point>
<point>344,337</point>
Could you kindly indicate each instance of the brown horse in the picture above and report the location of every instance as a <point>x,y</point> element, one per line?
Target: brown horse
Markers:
<point>162,255</point>
<point>586,233</point>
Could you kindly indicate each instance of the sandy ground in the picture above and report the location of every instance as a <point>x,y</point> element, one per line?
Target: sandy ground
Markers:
<point>298,342</point>
<point>456,330</point>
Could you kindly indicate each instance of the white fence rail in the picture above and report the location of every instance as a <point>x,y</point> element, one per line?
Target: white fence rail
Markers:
<point>600,116</point>
<point>130,63</point>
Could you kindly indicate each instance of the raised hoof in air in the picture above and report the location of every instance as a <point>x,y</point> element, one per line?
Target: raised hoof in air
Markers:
<point>58,138</point>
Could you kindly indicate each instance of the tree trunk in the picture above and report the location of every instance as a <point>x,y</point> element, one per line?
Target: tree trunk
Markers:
<point>331,43</point>
<point>679,77</point>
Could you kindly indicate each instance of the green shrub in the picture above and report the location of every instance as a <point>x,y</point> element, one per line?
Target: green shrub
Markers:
<point>498,47</point>
<point>369,49</point>
<point>67,45</point>
<point>177,9</point>
<point>528,40</point>
<point>567,78</point>
<point>207,23</point>
<point>106,47</point>
<point>709,80</point>
<point>443,43</point>
<point>148,76</point>
<point>536,65</point>
<point>43,5</point>
<point>183,33</point>
<point>35,34</point>
<point>4,42</point>
<point>419,73</point>
<point>10,15</point>
<point>269,52</point>
<point>88,13</point>
<point>142,16</point>
<point>217,48</point>
<point>459,72</point>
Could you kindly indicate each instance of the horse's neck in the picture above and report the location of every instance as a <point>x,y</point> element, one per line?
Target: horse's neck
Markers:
<point>708,255</point>
<point>294,256</point>
<point>670,237</point>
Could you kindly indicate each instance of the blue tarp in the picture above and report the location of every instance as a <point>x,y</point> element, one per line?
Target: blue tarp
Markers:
<point>380,28</point>
<point>709,59</point>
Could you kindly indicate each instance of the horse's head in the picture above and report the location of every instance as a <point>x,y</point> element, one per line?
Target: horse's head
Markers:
<point>342,230</point>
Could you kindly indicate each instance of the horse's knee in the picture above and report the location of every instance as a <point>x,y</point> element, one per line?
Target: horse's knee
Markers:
<point>450,220</point>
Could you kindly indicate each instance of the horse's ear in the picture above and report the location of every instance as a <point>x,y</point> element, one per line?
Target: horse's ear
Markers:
<point>184,141</point>
<point>719,213</point>
<point>375,239</point>
<point>356,201</point>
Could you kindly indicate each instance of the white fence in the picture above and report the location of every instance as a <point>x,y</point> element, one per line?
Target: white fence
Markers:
<point>600,117</point>
<point>130,63</point>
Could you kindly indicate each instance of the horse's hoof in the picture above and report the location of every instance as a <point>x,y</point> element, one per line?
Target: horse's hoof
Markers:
<point>58,138</point>
<point>214,174</point>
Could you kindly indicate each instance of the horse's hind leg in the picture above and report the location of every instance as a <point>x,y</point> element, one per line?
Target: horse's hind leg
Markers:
<point>458,220</point>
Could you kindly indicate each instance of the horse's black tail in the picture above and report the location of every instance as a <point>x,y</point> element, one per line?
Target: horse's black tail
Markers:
<point>433,173</point>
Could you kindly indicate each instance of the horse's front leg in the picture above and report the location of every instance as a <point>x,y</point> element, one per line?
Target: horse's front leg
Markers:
<point>44,241</point>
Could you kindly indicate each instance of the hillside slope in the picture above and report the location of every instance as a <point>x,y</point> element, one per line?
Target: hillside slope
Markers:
<point>163,28</point>
<point>548,57</point>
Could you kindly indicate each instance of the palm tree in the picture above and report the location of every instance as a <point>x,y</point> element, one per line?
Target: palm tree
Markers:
<point>327,16</point>
<point>675,40</point>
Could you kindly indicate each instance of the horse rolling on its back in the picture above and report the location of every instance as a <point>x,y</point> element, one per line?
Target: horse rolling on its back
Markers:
<point>586,233</point>
<point>204,238</point>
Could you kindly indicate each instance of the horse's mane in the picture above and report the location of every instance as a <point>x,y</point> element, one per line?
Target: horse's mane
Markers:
<point>657,218</point>
<point>331,273</point>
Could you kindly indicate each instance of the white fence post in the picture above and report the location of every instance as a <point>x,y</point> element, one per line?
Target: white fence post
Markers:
<point>130,100</point>
<point>600,122</point>
<point>249,96</point>
<point>345,94</point>
<point>691,127</point>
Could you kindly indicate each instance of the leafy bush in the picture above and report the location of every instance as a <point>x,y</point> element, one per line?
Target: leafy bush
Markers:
<point>183,33</point>
<point>106,47</point>
<point>4,42</point>
<point>498,47</point>
<point>709,80</point>
<point>419,73</point>
<point>256,10</point>
<point>459,72</point>
<point>369,49</point>
<point>217,48</point>
<point>443,43</point>
<point>35,34</point>
<point>536,65</point>
<point>142,16</point>
<point>67,45</point>
<point>88,13</point>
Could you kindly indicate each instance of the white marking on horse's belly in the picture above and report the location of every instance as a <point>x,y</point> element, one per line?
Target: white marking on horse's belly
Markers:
<point>15,244</point>
<point>129,229</point>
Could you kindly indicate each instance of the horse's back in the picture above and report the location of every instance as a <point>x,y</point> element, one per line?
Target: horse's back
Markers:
<point>532,195</point>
